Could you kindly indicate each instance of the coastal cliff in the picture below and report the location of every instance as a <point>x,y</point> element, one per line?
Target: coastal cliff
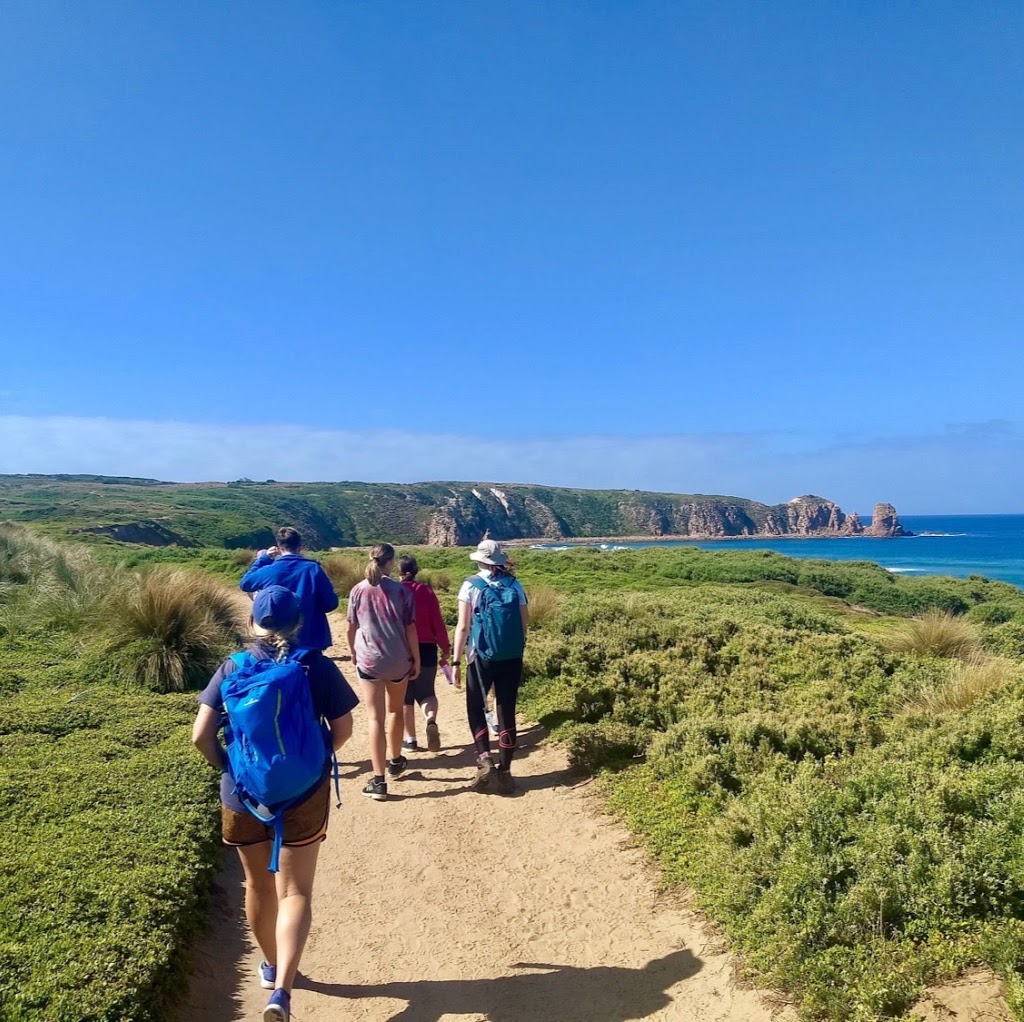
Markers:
<point>244,513</point>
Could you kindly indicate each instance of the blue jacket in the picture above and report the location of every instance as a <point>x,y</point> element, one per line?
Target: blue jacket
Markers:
<point>310,584</point>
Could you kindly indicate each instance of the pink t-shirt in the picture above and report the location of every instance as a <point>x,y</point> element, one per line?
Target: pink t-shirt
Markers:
<point>382,614</point>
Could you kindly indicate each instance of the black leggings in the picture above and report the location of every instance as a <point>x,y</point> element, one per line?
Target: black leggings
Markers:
<point>504,677</point>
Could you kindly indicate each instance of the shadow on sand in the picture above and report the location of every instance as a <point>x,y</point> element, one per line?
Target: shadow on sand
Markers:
<point>213,993</point>
<point>605,993</point>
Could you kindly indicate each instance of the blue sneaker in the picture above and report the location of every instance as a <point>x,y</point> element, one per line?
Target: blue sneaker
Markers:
<point>268,976</point>
<point>279,1007</point>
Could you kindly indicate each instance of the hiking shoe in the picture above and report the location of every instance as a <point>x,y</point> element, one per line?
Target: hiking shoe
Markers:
<point>268,976</point>
<point>279,1007</point>
<point>484,780</point>
<point>377,790</point>
<point>411,745</point>
<point>433,737</point>
<point>503,783</point>
<point>396,766</point>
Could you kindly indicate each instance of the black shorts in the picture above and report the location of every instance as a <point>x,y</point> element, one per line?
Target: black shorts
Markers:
<point>370,677</point>
<point>421,688</point>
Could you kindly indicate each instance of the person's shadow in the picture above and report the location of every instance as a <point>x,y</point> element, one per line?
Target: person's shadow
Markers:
<point>560,993</point>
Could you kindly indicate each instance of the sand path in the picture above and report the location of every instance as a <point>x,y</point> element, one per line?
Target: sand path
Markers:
<point>442,904</point>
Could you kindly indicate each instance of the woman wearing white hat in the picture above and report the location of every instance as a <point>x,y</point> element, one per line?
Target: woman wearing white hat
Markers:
<point>492,628</point>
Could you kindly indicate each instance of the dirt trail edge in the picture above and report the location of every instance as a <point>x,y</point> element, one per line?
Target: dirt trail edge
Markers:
<point>442,904</point>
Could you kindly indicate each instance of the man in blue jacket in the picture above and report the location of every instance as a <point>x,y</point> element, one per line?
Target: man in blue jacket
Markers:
<point>283,565</point>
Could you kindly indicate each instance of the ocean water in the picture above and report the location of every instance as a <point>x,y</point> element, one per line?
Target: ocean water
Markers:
<point>990,545</point>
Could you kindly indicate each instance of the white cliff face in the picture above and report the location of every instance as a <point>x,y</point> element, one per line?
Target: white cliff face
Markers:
<point>501,496</point>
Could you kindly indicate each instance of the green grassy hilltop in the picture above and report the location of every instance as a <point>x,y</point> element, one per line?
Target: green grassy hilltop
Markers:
<point>830,756</point>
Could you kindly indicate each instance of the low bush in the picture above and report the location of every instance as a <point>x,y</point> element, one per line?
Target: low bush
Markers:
<point>968,681</point>
<point>171,629</point>
<point>543,605</point>
<point>111,838</point>
<point>937,633</point>
<point>343,571</point>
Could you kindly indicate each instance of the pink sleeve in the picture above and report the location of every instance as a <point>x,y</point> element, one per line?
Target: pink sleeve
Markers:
<point>440,628</point>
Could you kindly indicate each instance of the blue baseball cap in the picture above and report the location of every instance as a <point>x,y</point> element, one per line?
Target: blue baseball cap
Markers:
<point>275,609</point>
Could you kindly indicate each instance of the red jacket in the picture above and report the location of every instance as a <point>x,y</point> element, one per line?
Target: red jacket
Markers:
<point>430,626</point>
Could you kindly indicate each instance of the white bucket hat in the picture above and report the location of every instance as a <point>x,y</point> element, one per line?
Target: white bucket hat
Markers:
<point>488,552</point>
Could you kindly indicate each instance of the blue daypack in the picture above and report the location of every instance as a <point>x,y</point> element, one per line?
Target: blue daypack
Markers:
<point>497,631</point>
<point>277,747</point>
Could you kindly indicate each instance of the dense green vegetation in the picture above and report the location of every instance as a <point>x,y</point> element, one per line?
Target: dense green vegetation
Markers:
<point>108,814</point>
<point>831,756</point>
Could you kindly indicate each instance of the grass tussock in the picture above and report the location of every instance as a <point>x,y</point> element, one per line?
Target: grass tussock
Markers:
<point>968,681</point>
<point>172,629</point>
<point>937,633</point>
<point>544,605</point>
<point>343,572</point>
<point>439,581</point>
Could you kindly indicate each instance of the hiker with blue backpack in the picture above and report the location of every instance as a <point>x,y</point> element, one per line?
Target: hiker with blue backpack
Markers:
<point>492,627</point>
<point>283,711</point>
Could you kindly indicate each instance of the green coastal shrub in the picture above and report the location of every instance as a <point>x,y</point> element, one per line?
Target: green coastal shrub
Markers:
<point>846,812</point>
<point>110,841</point>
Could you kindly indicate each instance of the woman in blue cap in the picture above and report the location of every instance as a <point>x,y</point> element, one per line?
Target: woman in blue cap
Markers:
<point>277,905</point>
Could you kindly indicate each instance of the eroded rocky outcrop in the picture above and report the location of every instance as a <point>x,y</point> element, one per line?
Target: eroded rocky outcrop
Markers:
<point>509,513</point>
<point>885,524</point>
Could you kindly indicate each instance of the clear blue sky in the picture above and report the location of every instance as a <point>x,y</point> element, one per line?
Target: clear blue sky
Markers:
<point>754,248</point>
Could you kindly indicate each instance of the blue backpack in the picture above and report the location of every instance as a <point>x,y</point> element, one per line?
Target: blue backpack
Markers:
<point>277,747</point>
<point>497,631</point>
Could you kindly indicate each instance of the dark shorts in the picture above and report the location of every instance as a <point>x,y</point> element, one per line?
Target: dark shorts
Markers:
<point>421,688</point>
<point>304,825</point>
<point>370,677</point>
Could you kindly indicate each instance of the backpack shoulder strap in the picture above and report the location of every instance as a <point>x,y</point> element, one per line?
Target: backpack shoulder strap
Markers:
<point>477,582</point>
<point>242,659</point>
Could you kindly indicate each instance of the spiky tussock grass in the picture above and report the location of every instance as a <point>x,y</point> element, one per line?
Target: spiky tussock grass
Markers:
<point>47,585</point>
<point>544,604</point>
<point>937,633</point>
<point>170,629</point>
<point>343,572</point>
<point>969,680</point>
<point>439,581</point>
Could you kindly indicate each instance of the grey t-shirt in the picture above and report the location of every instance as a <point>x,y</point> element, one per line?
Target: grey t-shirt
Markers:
<point>382,614</point>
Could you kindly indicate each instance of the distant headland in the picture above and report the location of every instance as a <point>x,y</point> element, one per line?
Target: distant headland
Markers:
<point>243,513</point>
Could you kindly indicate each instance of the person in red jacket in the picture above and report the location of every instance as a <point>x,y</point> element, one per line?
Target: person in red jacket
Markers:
<point>432,633</point>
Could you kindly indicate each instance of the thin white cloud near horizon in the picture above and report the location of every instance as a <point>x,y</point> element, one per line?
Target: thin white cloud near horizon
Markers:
<point>965,468</point>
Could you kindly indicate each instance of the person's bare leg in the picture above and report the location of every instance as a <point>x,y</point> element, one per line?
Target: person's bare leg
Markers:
<point>373,697</point>
<point>260,898</point>
<point>396,716</point>
<point>294,909</point>
<point>409,716</point>
<point>430,709</point>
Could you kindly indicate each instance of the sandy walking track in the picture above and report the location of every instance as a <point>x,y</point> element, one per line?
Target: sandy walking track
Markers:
<point>444,904</point>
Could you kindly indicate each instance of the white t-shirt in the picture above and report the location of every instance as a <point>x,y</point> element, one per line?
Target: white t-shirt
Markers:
<point>469,593</point>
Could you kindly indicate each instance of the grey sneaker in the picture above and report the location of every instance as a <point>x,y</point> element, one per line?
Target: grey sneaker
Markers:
<point>396,766</point>
<point>377,790</point>
<point>433,737</point>
<point>484,780</point>
<point>503,782</point>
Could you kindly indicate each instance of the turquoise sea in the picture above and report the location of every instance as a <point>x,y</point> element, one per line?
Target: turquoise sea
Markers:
<point>990,545</point>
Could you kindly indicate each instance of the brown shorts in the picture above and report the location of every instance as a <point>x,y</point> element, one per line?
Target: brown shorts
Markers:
<point>304,825</point>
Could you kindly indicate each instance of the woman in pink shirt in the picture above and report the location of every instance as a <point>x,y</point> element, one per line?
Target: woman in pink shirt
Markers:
<point>432,633</point>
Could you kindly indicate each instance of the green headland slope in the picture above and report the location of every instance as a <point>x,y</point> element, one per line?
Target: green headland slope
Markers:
<point>242,513</point>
